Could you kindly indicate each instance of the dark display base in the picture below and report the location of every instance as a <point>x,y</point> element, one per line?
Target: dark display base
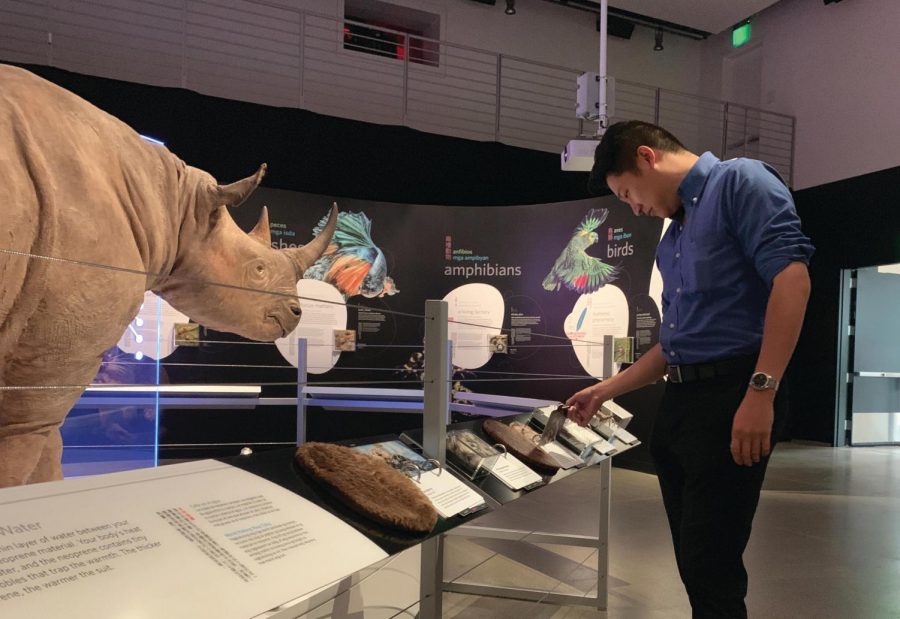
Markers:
<point>278,466</point>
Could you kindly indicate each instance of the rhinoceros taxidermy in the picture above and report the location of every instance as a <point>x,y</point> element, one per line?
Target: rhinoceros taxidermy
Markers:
<point>79,185</point>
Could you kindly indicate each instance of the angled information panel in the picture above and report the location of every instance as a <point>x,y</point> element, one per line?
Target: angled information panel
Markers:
<point>200,539</point>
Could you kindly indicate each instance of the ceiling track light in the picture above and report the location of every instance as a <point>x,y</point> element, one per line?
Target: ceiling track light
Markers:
<point>658,40</point>
<point>510,7</point>
<point>638,19</point>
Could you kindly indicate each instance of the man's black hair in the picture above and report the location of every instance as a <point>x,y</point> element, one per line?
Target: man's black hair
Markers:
<point>617,151</point>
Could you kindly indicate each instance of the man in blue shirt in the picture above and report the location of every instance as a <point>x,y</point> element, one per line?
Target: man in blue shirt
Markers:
<point>735,288</point>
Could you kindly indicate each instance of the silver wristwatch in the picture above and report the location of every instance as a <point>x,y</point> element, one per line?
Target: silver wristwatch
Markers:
<point>762,381</point>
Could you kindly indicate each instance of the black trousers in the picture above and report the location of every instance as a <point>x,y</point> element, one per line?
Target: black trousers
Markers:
<point>710,501</point>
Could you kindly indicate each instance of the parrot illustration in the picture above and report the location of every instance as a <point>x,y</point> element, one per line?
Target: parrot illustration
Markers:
<point>353,263</point>
<point>574,268</point>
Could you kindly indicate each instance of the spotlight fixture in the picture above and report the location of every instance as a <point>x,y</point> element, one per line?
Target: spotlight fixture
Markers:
<point>658,46</point>
<point>510,7</point>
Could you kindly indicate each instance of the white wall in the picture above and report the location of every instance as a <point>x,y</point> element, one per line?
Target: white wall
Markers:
<point>546,32</point>
<point>835,68</point>
<point>265,51</point>
<point>558,35</point>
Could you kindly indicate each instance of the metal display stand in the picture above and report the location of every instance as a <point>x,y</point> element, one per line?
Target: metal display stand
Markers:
<point>434,444</point>
<point>601,543</point>
<point>434,403</point>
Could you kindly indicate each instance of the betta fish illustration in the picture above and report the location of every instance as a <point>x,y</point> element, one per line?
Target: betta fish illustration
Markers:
<point>352,263</point>
<point>574,268</point>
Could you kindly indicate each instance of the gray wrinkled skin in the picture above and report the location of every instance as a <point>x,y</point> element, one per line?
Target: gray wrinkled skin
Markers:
<point>79,184</point>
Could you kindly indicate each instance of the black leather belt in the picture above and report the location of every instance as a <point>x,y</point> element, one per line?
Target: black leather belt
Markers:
<point>689,373</point>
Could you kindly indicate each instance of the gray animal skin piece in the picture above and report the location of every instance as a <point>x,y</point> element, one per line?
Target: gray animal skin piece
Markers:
<point>80,185</point>
<point>470,450</point>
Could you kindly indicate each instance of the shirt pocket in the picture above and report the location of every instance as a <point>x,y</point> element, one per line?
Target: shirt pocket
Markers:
<point>707,267</point>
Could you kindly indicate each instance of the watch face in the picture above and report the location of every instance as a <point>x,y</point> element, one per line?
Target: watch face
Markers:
<point>759,380</point>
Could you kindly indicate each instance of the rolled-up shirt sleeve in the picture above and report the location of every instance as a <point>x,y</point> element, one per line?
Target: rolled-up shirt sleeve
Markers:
<point>760,211</point>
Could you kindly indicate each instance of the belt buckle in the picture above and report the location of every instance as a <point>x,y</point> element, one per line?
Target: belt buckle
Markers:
<point>675,374</point>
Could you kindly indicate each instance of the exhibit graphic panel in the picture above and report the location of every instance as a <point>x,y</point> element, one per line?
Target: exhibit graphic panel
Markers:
<point>594,316</point>
<point>533,289</point>
<point>243,545</point>
<point>656,283</point>
<point>475,312</point>
<point>530,270</point>
<point>324,312</point>
<point>156,331</point>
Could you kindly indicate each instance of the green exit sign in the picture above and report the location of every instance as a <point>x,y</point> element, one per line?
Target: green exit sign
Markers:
<point>740,34</point>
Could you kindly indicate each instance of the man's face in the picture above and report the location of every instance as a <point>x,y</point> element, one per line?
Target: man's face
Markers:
<point>645,190</point>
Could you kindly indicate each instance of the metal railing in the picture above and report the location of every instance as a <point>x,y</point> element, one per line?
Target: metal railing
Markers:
<point>251,51</point>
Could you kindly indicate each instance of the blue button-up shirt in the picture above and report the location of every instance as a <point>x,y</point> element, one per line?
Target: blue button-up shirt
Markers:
<point>737,230</point>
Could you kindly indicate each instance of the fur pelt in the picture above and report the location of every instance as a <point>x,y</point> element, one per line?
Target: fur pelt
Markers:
<point>369,485</point>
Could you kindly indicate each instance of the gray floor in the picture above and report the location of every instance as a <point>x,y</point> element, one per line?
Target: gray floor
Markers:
<point>826,543</point>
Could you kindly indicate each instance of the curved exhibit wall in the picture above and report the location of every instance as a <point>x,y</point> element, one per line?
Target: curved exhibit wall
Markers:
<point>532,291</point>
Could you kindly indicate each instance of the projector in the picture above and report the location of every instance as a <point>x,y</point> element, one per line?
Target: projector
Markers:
<point>578,155</point>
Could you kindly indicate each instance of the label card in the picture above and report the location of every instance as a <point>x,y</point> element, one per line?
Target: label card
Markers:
<point>449,495</point>
<point>562,455</point>
<point>604,447</point>
<point>625,436</point>
<point>514,473</point>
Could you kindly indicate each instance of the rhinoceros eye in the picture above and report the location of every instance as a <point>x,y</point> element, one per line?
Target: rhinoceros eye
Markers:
<point>260,269</point>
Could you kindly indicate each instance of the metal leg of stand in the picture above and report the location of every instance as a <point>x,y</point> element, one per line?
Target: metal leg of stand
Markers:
<point>431,586</point>
<point>600,543</point>
<point>603,537</point>
<point>434,425</point>
<point>437,381</point>
<point>301,385</point>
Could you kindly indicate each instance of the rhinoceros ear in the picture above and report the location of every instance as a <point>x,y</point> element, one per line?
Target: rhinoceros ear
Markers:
<point>235,193</point>
<point>261,230</point>
<point>304,257</point>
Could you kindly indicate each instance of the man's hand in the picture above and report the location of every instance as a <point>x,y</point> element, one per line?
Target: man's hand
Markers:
<point>584,404</point>
<point>751,430</point>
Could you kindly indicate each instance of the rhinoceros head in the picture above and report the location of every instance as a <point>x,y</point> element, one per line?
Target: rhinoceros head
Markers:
<point>220,268</point>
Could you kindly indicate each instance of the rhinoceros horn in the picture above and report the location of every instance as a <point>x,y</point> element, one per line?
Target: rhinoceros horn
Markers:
<point>261,230</point>
<point>304,257</point>
<point>235,193</point>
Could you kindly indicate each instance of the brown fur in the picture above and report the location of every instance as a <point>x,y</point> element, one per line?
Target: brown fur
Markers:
<point>369,485</point>
<point>521,441</point>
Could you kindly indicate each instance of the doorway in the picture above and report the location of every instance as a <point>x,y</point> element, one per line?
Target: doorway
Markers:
<point>868,387</point>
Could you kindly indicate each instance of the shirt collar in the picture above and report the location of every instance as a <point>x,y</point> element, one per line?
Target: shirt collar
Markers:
<point>691,186</point>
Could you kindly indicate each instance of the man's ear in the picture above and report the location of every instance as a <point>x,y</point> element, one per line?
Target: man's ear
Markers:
<point>646,157</point>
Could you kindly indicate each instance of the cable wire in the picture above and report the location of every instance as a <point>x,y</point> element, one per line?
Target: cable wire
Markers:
<point>287,295</point>
<point>509,331</point>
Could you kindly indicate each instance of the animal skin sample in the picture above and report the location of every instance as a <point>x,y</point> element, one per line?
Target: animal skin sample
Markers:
<point>469,449</point>
<point>521,441</point>
<point>369,486</point>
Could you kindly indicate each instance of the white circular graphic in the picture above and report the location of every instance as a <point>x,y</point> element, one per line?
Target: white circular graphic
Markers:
<point>476,314</point>
<point>152,332</point>
<point>656,282</point>
<point>323,311</point>
<point>604,312</point>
